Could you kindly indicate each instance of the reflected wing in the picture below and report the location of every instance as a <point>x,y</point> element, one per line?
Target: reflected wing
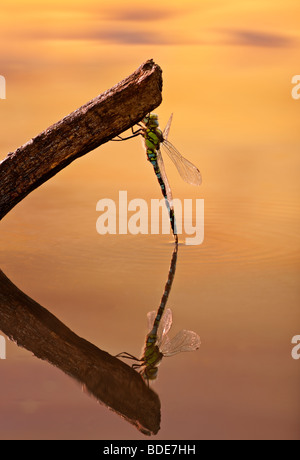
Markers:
<point>150,319</point>
<point>164,177</point>
<point>183,341</point>
<point>189,172</point>
<point>167,128</point>
<point>164,326</point>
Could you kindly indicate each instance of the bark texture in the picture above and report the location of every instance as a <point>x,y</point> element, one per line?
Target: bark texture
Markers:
<point>91,125</point>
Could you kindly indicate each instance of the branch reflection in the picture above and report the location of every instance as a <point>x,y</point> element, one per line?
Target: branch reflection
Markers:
<point>111,381</point>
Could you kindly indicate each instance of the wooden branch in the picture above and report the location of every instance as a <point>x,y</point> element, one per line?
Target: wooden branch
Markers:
<point>93,124</point>
<point>107,378</point>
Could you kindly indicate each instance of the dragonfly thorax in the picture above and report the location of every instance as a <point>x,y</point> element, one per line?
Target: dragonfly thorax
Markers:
<point>153,138</point>
<point>152,357</point>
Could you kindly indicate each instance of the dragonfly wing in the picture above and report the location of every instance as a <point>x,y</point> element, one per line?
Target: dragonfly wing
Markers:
<point>164,177</point>
<point>183,341</point>
<point>150,319</point>
<point>164,327</point>
<point>167,128</point>
<point>164,324</point>
<point>189,172</point>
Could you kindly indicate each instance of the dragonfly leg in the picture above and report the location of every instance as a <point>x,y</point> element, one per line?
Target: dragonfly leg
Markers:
<point>120,139</point>
<point>126,355</point>
<point>139,132</point>
<point>145,377</point>
<point>137,365</point>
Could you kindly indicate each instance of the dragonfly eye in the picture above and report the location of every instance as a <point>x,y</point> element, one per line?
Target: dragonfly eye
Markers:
<point>151,120</point>
<point>151,373</point>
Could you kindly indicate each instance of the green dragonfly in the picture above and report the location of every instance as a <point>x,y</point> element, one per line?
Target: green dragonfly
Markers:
<point>153,139</point>
<point>158,343</point>
<point>164,346</point>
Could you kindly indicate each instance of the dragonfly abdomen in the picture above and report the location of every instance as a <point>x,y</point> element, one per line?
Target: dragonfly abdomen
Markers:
<point>152,336</point>
<point>152,157</point>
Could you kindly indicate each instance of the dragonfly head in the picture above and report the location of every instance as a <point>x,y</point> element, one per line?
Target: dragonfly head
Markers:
<point>151,120</point>
<point>150,373</point>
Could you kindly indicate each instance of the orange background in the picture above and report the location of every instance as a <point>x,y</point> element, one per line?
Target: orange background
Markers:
<point>227,70</point>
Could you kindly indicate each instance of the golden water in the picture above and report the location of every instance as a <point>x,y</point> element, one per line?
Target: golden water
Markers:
<point>235,119</point>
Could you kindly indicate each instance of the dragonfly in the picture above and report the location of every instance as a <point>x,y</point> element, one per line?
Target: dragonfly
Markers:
<point>154,138</point>
<point>158,343</point>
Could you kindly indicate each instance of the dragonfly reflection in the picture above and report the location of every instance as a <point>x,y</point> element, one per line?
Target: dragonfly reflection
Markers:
<point>158,344</point>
